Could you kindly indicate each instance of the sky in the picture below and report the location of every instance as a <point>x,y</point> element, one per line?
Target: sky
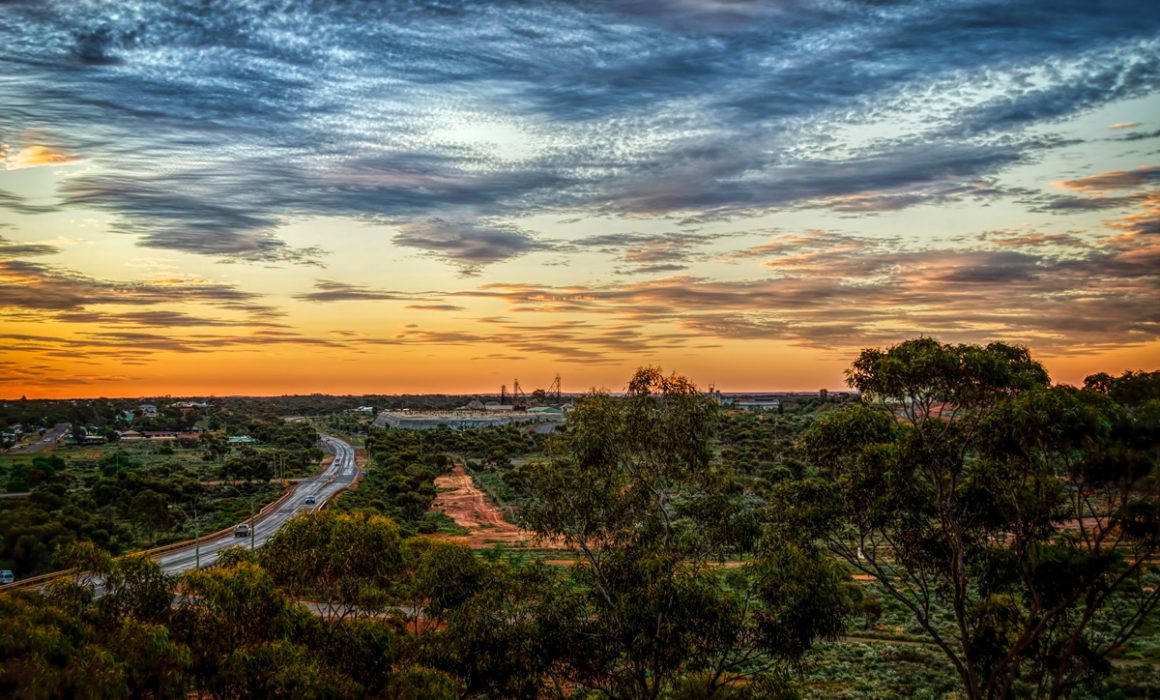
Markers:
<point>226,197</point>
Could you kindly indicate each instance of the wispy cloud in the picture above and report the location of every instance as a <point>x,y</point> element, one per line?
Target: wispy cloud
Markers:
<point>1056,204</point>
<point>1143,223</point>
<point>467,244</point>
<point>28,285</point>
<point>1138,136</point>
<point>16,249</point>
<point>20,205</point>
<point>649,253</point>
<point>687,144</point>
<point>1116,180</point>
<point>1057,291</point>
<point>32,156</point>
<point>330,290</point>
<point>215,130</point>
<point>160,319</point>
<point>433,307</point>
<point>1035,239</point>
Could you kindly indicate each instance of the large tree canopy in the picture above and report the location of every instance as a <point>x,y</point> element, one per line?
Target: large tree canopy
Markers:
<point>632,487</point>
<point>966,482</point>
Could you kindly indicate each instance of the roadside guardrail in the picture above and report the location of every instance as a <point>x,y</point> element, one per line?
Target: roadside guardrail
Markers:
<point>44,579</point>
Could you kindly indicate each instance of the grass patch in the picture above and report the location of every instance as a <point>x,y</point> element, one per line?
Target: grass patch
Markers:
<point>491,482</point>
<point>856,670</point>
<point>440,523</point>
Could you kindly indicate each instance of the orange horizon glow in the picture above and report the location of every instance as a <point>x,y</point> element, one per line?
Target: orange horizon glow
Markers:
<point>199,379</point>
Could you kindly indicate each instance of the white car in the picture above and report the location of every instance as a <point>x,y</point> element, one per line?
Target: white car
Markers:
<point>6,576</point>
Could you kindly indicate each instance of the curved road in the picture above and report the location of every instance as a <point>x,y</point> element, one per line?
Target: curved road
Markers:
<point>339,475</point>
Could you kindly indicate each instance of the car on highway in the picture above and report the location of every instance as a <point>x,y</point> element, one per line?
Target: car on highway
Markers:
<point>242,530</point>
<point>310,500</point>
<point>6,576</point>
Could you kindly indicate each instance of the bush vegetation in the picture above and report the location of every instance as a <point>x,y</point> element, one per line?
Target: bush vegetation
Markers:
<point>1003,532</point>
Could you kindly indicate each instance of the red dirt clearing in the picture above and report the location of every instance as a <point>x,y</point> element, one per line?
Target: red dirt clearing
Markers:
<point>471,509</point>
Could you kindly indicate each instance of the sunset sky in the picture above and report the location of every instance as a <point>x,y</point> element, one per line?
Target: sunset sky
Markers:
<point>360,197</point>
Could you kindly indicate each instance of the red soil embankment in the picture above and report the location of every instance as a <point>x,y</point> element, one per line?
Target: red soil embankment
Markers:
<point>462,501</point>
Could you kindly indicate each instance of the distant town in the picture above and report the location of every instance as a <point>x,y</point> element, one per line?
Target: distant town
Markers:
<point>159,419</point>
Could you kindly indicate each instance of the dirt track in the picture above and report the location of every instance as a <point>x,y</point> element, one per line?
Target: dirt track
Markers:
<point>470,508</point>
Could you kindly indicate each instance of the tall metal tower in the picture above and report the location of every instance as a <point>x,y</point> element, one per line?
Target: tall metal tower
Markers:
<point>554,390</point>
<point>519,398</point>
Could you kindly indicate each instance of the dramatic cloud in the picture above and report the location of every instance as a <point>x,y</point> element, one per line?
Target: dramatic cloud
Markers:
<point>208,132</point>
<point>172,214</point>
<point>831,290</point>
<point>615,180</point>
<point>902,176</point>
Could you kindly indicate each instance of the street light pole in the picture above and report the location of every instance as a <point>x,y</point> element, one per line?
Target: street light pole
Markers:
<point>253,513</point>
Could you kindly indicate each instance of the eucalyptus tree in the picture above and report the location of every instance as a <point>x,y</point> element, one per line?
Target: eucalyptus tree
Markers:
<point>347,563</point>
<point>492,619</point>
<point>240,631</point>
<point>1013,520</point>
<point>631,485</point>
<point>68,641</point>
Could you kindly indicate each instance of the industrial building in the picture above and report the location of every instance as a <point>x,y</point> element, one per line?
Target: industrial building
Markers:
<point>457,420</point>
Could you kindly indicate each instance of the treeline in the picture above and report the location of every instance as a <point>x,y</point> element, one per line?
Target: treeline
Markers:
<point>103,411</point>
<point>322,405</point>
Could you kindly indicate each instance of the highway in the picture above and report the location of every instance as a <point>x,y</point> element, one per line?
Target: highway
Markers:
<point>50,438</point>
<point>339,475</point>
